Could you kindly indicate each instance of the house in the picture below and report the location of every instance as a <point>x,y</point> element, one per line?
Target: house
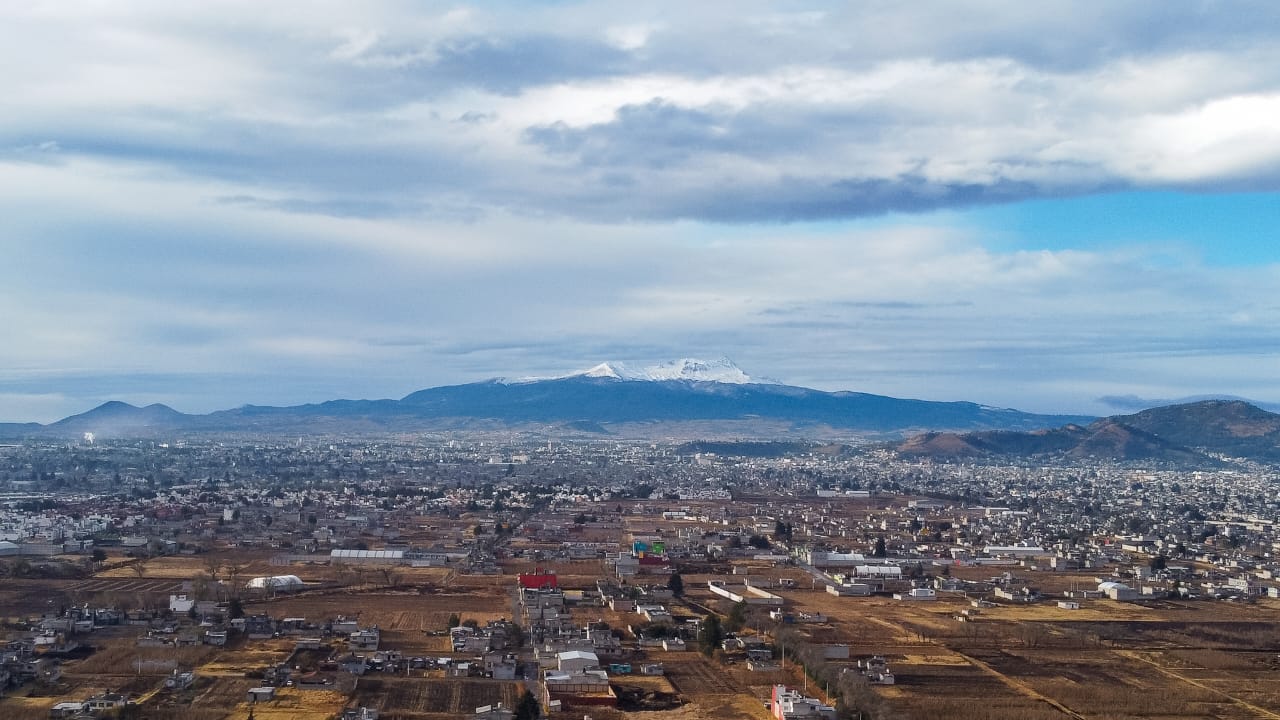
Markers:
<point>917,594</point>
<point>539,579</point>
<point>106,702</point>
<point>590,687</point>
<point>260,694</point>
<point>354,664</point>
<point>366,639</point>
<point>344,626</point>
<point>788,704</point>
<point>179,680</point>
<point>259,627</point>
<point>673,645</point>
<point>500,666</point>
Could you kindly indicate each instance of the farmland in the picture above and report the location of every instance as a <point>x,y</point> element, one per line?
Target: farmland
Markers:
<point>400,698</point>
<point>370,624</point>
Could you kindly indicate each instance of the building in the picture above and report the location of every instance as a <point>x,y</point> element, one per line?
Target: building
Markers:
<point>788,704</point>
<point>576,661</point>
<point>1117,591</point>
<point>260,694</point>
<point>277,583</point>
<point>179,680</point>
<point>367,557</point>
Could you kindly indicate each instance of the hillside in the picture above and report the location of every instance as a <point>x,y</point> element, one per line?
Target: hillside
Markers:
<point>1185,434</point>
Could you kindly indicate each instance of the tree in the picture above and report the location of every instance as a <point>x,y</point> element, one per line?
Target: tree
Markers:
<point>213,565</point>
<point>390,576</point>
<point>454,621</point>
<point>99,556</point>
<point>234,570</point>
<point>527,708</point>
<point>711,635</point>
<point>676,585</point>
<point>880,550</point>
<point>737,617</point>
<point>235,609</point>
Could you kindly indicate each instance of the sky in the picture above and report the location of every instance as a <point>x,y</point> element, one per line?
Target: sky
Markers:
<point>1052,206</point>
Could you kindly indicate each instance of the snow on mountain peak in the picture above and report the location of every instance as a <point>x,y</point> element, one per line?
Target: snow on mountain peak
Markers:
<point>721,370</point>
<point>604,369</point>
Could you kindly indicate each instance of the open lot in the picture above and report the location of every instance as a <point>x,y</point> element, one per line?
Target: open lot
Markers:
<point>399,698</point>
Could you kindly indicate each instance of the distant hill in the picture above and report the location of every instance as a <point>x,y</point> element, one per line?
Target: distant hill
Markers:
<point>1185,434</point>
<point>1227,427</point>
<point>117,418</point>
<point>714,399</point>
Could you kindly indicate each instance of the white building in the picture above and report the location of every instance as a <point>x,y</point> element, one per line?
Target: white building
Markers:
<point>576,661</point>
<point>788,704</point>
<point>276,582</point>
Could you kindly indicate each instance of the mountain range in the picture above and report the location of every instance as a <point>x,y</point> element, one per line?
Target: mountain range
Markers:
<point>1198,433</point>
<point>685,398</point>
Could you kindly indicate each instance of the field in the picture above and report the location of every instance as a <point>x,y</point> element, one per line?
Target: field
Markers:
<point>1154,660</point>
<point>1109,661</point>
<point>405,618</point>
<point>399,698</point>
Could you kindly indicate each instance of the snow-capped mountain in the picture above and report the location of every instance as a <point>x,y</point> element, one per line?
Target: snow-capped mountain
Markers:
<point>721,370</point>
<point>643,399</point>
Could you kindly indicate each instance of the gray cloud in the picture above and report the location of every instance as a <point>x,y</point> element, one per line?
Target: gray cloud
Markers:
<point>750,116</point>
<point>364,200</point>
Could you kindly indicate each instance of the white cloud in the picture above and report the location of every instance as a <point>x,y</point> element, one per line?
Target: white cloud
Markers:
<point>396,197</point>
<point>959,109</point>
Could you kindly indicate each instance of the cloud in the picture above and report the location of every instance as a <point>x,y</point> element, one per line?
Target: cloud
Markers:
<point>756,115</point>
<point>201,302</point>
<point>368,198</point>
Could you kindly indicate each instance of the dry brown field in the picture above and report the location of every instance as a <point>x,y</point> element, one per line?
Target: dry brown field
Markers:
<point>1157,660</point>
<point>1109,661</point>
<point>24,597</point>
<point>399,698</point>
<point>406,618</point>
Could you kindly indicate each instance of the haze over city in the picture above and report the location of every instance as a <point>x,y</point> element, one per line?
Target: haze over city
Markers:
<point>1068,208</point>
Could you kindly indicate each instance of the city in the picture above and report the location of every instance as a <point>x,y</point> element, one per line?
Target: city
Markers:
<point>603,360</point>
<point>433,577</point>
